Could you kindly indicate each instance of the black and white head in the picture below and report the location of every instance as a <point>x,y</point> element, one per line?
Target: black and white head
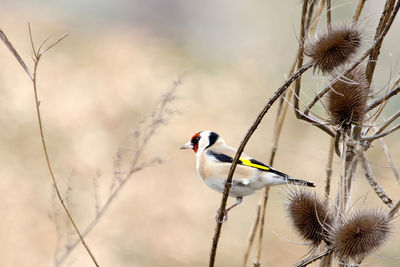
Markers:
<point>202,140</point>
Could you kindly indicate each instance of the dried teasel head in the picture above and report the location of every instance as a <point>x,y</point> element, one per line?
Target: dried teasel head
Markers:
<point>335,47</point>
<point>347,99</point>
<point>310,215</point>
<point>360,234</point>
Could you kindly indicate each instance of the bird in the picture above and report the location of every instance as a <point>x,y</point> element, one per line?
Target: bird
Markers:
<point>213,162</point>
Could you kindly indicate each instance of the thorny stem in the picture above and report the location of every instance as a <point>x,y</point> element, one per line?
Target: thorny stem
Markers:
<point>281,115</point>
<point>228,183</point>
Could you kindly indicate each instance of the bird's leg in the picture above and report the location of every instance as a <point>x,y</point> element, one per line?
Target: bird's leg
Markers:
<point>238,202</point>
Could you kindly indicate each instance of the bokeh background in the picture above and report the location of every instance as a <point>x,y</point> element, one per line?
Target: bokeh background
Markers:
<point>98,84</point>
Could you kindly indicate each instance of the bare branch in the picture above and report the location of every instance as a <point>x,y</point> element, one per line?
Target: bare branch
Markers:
<point>390,160</point>
<point>252,234</point>
<point>377,102</point>
<point>329,167</point>
<point>374,137</point>
<point>314,257</point>
<point>13,51</point>
<point>157,118</point>
<point>228,183</point>
<point>360,7</point>
<point>372,181</point>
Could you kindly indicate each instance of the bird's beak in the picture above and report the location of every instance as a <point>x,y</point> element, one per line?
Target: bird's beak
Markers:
<point>187,145</point>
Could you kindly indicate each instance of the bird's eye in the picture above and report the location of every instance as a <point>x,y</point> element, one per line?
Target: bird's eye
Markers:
<point>196,140</point>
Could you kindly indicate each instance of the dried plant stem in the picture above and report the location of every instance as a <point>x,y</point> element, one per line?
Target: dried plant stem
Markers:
<point>379,101</point>
<point>278,126</point>
<point>328,167</point>
<point>387,123</point>
<point>328,14</point>
<point>383,134</point>
<point>282,111</point>
<point>390,160</point>
<point>33,76</point>
<point>314,257</point>
<point>380,192</point>
<point>376,51</point>
<point>158,117</point>
<point>326,261</point>
<point>37,55</point>
<point>360,7</point>
<point>257,262</point>
<point>317,17</point>
<point>252,234</point>
<point>341,199</point>
<point>250,132</point>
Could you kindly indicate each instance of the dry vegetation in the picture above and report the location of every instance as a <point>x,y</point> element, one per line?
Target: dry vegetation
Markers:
<point>131,210</point>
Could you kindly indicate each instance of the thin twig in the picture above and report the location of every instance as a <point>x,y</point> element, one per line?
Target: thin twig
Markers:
<point>360,7</point>
<point>377,136</point>
<point>380,192</point>
<point>314,257</point>
<point>257,262</point>
<point>387,123</point>
<point>328,14</point>
<point>329,167</point>
<point>228,183</point>
<point>377,102</point>
<point>33,78</point>
<point>252,234</point>
<point>390,160</point>
<point>13,51</point>
<point>157,118</point>
<point>317,17</point>
<point>376,51</point>
<point>37,57</point>
<point>281,115</point>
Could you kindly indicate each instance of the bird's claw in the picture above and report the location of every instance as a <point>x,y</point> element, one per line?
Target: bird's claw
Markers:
<point>224,219</point>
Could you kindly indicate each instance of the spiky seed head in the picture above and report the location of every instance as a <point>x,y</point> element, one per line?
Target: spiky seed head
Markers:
<point>360,234</point>
<point>347,99</point>
<point>309,214</point>
<point>335,47</point>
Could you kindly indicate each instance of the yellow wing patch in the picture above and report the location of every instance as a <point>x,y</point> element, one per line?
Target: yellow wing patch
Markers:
<point>253,164</point>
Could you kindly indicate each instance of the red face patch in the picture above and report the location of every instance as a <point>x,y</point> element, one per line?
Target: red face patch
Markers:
<point>195,141</point>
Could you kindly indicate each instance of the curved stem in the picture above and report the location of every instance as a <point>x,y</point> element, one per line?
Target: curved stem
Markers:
<point>228,183</point>
<point>37,59</point>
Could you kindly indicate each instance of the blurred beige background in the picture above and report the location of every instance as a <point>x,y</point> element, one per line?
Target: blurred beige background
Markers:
<point>98,84</point>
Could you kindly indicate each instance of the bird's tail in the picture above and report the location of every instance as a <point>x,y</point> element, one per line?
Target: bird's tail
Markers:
<point>295,181</point>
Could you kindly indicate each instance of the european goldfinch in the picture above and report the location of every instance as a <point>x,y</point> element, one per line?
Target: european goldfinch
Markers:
<point>213,162</point>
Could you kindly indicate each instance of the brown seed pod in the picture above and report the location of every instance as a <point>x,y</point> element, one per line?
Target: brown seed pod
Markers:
<point>309,214</point>
<point>333,48</point>
<point>347,99</point>
<point>360,235</point>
